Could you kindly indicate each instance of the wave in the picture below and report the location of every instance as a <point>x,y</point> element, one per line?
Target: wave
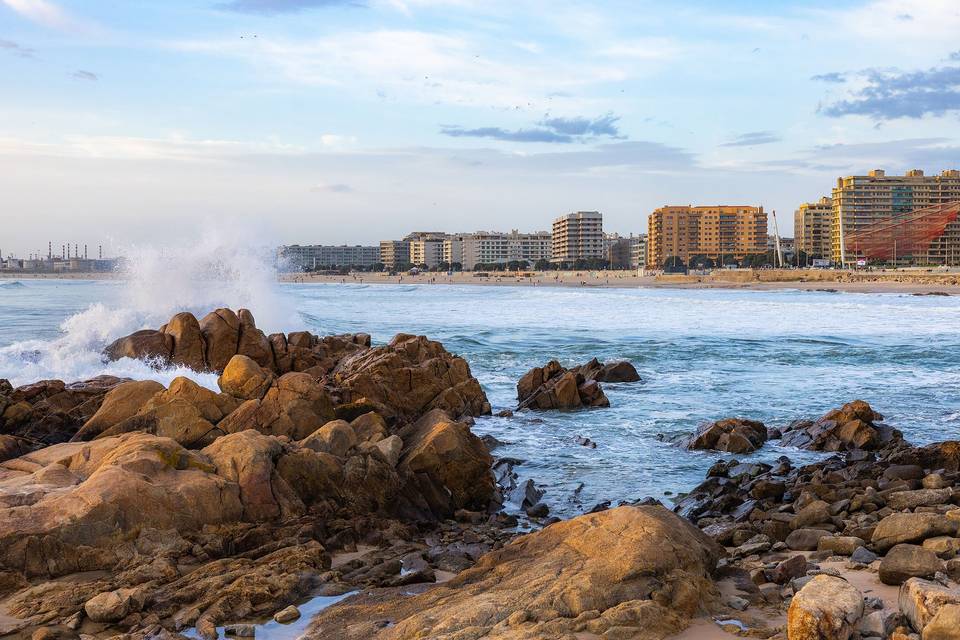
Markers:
<point>232,268</point>
<point>16,284</point>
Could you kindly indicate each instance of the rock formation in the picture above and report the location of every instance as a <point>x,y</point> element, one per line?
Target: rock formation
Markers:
<point>554,387</point>
<point>853,426</point>
<point>625,572</point>
<point>734,435</point>
<point>208,344</point>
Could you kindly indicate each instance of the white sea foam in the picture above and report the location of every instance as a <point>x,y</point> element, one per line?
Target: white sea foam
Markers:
<point>234,269</point>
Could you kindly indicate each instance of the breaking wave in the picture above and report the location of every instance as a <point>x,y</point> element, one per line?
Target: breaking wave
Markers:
<point>233,270</point>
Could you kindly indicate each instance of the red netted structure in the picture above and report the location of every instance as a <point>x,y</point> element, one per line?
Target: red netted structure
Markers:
<point>916,234</point>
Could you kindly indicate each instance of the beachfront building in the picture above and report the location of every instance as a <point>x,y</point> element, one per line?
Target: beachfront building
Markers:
<point>862,204</point>
<point>426,248</point>
<point>721,234</point>
<point>320,256</point>
<point>811,228</point>
<point>617,250</point>
<point>638,251</point>
<point>395,254</point>
<point>495,247</point>
<point>577,236</point>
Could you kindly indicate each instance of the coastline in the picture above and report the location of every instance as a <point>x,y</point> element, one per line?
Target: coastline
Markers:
<point>900,282</point>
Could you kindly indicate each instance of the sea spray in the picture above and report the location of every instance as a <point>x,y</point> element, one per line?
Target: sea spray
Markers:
<point>222,269</point>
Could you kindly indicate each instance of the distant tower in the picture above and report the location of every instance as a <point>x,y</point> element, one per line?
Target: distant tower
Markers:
<point>63,252</point>
<point>84,252</point>
<point>49,250</point>
<point>101,251</point>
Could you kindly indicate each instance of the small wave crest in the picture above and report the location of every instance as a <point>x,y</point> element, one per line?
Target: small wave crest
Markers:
<point>16,284</point>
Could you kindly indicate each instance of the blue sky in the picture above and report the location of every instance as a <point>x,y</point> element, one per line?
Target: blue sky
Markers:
<point>329,121</point>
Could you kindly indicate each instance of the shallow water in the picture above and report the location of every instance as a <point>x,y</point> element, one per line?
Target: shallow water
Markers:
<point>703,354</point>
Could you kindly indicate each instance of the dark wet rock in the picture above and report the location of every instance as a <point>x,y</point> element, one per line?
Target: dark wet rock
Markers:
<point>554,387</point>
<point>621,371</point>
<point>585,442</point>
<point>734,435</point>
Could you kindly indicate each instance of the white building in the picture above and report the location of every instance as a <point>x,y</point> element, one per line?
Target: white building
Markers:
<point>576,236</point>
<point>317,256</point>
<point>495,247</point>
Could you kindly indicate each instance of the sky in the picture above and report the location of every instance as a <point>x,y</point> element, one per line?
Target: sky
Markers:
<point>352,121</point>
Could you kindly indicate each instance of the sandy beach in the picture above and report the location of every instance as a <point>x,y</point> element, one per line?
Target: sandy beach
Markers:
<point>910,282</point>
<point>920,282</point>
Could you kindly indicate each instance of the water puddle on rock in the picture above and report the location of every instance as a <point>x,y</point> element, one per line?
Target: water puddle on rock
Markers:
<point>273,630</point>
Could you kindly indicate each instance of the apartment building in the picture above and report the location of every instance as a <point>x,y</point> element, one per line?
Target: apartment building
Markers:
<point>617,250</point>
<point>576,236</point>
<point>811,228</point>
<point>494,247</point>
<point>426,248</point>
<point>638,251</point>
<point>395,254</point>
<point>861,201</point>
<point>316,256</point>
<point>721,233</point>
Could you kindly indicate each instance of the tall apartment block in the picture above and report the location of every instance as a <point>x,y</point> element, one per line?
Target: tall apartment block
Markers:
<point>426,247</point>
<point>862,202</point>
<point>577,235</point>
<point>811,228</point>
<point>394,254</point>
<point>717,232</point>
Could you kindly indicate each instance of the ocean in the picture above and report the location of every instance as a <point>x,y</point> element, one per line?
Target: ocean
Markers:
<point>774,356</point>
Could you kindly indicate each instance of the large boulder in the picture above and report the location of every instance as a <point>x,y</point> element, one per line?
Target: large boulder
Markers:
<point>295,405</point>
<point>898,528</point>
<point>249,459</point>
<point>620,371</point>
<point>625,572</point>
<point>452,457</point>
<point>905,561</point>
<point>407,378</point>
<point>554,387</point>
<point>826,608</point>
<point>244,378</point>
<point>734,435</point>
<point>253,343</point>
<point>854,426</point>
<point>221,333</point>
<point>119,404</point>
<point>69,507</point>
<point>921,600</point>
<point>189,348</point>
<point>147,344</point>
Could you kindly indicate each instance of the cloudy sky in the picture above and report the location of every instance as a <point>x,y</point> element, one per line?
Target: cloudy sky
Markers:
<point>330,121</point>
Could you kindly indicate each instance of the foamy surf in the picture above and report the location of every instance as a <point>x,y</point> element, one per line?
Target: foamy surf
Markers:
<point>233,271</point>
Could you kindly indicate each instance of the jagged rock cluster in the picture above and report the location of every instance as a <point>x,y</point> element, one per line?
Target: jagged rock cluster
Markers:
<point>555,387</point>
<point>204,507</point>
<point>894,512</point>
<point>734,435</point>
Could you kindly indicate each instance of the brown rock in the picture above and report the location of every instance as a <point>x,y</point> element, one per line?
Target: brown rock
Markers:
<point>369,427</point>
<point>911,527</point>
<point>253,343</point>
<point>248,458</point>
<point>188,345</point>
<point>409,377</point>
<point>735,435</point>
<point>244,378</point>
<point>626,572</point>
<point>120,403</point>
<point>921,600</point>
<point>945,625</point>
<point>336,437</point>
<point>906,561</point>
<point>221,333</point>
<point>147,344</point>
<point>900,500</point>
<point>553,387</point>
<point>452,457</point>
<point>826,608</point>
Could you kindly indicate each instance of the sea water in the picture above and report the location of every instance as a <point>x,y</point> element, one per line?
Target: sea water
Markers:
<point>773,356</point>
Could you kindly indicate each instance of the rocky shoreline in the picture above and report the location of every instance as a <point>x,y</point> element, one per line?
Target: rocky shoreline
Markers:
<point>327,466</point>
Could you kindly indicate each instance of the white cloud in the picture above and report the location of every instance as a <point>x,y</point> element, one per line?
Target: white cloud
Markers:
<point>418,67</point>
<point>174,147</point>
<point>47,14</point>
